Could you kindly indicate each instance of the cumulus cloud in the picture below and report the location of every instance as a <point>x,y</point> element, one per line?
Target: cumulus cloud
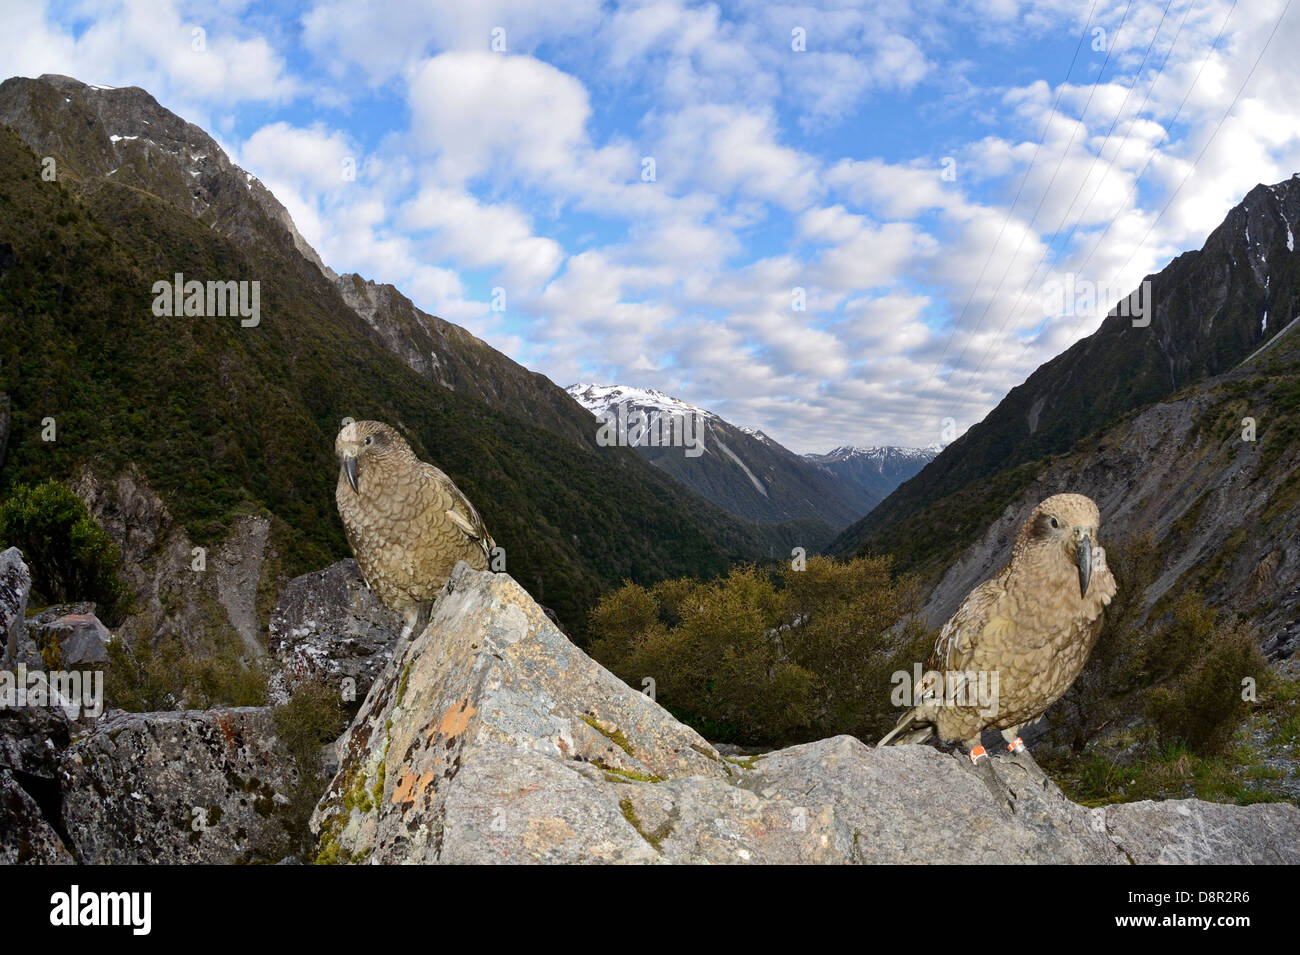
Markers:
<point>787,263</point>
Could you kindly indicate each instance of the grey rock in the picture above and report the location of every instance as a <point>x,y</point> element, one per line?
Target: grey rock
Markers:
<point>492,717</point>
<point>81,638</point>
<point>158,566</point>
<point>208,786</point>
<point>329,626</point>
<point>491,738</point>
<point>26,838</point>
<point>15,585</point>
<point>1188,831</point>
<point>31,739</point>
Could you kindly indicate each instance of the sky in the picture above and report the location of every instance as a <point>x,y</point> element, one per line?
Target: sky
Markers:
<point>839,223</point>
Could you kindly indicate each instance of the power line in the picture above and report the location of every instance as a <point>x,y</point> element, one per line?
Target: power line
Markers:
<point>1011,209</point>
<point>1041,199</point>
<point>1227,112</point>
<point>1012,312</point>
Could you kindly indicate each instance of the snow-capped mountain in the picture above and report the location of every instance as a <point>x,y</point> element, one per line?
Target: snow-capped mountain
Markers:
<point>876,470</point>
<point>745,471</point>
<point>600,398</point>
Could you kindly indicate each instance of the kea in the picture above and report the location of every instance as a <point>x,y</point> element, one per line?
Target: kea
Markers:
<point>1018,640</point>
<point>406,522</point>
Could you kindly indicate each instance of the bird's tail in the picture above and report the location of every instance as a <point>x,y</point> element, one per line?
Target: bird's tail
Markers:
<point>910,729</point>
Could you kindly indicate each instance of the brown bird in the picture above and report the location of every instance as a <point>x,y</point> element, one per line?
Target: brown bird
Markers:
<point>1018,640</point>
<point>406,522</point>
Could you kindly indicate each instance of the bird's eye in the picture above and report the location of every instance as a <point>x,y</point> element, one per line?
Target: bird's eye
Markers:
<point>370,439</point>
<point>1055,522</point>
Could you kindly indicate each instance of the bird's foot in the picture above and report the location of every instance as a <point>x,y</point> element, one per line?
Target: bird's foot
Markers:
<point>983,766</point>
<point>1017,745</point>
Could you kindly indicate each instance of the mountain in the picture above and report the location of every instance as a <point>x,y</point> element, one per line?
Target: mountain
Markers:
<point>1208,310</point>
<point>877,471</point>
<point>742,470</point>
<point>224,419</point>
<point>1222,510</point>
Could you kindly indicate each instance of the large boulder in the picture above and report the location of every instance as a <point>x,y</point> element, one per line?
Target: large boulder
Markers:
<point>209,786</point>
<point>491,738</point>
<point>1186,831</point>
<point>76,640</point>
<point>329,626</point>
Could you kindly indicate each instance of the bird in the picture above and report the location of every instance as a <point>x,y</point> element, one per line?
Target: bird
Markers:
<point>406,521</point>
<point>1021,637</point>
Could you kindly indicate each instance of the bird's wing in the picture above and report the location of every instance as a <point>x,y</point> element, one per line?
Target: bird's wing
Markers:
<point>976,621</point>
<point>460,511</point>
<point>964,630</point>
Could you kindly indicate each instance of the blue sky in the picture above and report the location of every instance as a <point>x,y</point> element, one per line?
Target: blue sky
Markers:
<point>874,169</point>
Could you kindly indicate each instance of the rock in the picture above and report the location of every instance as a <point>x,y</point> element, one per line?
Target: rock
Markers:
<point>492,718</point>
<point>490,738</point>
<point>208,786</point>
<point>25,836</point>
<point>81,639</point>
<point>15,584</point>
<point>172,597</point>
<point>329,626</point>
<point>1188,831</point>
<point>31,738</point>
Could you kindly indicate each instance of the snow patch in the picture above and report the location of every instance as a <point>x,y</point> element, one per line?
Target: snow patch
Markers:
<point>600,398</point>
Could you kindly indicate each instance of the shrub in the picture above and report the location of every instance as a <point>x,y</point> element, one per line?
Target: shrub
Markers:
<point>70,556</point>
<point>164,673</point>
<point>1204,705</point>
<point>766,658</point>
<point>313,716</point>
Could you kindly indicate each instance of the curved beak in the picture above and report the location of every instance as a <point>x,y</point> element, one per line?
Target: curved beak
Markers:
<point>350,469</point>
<point>1083,560</point>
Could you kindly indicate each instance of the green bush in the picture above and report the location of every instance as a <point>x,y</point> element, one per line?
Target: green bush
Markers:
<point>1205,704</point>
<point>768,658</point>
<point>313,716</point>
<point>70,556</point>
<point>164,673</point>
<point>1179,667</point>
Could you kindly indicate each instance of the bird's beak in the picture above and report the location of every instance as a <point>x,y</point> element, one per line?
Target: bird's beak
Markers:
<point>350,469</point>
<point>1083,560</point>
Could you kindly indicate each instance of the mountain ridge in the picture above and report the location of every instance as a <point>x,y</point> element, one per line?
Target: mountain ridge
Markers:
<point>227,420</point>
<point>753,476</point>
<point>1206,310</point>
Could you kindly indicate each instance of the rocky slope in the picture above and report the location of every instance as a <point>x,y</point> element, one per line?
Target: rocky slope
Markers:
<point>1223,511</point>
<point>1209,310</point>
